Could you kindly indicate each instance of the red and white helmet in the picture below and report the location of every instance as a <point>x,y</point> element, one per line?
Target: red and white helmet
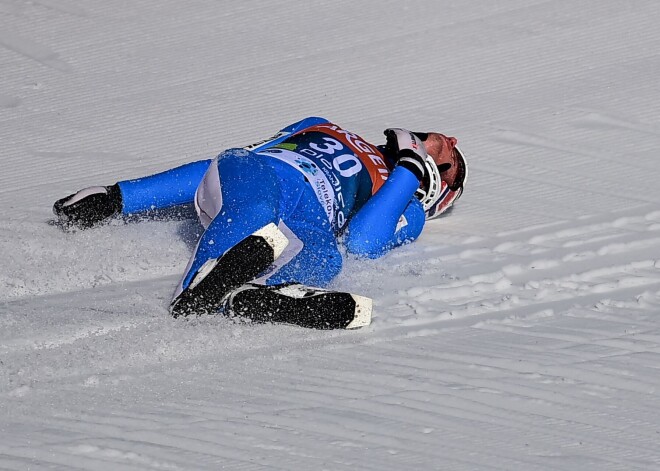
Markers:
<point>435,194</point>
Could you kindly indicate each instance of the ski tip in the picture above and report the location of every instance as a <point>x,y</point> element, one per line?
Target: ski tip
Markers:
<point>363,309</point>
<point>273,237</point>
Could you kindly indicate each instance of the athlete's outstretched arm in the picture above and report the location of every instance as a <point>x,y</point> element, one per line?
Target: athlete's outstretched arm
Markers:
<point>391,217</point>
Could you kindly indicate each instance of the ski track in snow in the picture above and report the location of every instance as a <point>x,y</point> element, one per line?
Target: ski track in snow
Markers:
<point>520,332</point>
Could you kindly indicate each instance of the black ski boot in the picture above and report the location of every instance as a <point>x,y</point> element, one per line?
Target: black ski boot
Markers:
<point>240,264</point>
<point>300,305</point>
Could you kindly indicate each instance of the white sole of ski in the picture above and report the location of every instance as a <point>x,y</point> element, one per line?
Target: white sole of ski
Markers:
<point>363,310</point>
<point>274,237</point>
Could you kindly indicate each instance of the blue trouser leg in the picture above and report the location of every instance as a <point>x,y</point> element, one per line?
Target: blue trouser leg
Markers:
<point>162,190</point>
<point>319,261</point>
<point>250,200</point>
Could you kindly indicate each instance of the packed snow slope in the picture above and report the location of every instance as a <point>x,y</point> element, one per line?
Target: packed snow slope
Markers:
<point>520,332</point>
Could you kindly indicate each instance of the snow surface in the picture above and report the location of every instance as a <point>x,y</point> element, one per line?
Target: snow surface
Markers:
<point>522,332</point>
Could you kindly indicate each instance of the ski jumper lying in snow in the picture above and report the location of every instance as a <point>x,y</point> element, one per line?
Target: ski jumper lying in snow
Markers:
<point>274,213</point>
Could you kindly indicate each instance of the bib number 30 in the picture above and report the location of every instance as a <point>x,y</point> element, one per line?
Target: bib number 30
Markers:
<point>346,164</point>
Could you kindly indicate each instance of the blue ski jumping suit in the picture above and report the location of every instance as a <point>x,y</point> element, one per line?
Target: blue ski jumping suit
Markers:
<point>321,184</point>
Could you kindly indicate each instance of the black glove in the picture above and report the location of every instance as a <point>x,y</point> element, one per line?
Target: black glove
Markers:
<point>89,207</point>
<point>409,151</point>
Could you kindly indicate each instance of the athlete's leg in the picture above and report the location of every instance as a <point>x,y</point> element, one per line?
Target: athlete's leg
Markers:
<point>292,295</point>
<point>250,200</point>
<point>319,260</point>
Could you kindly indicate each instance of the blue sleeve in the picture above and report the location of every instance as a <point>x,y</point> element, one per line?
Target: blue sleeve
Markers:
<point>391,217</point>
<point>162,190</point>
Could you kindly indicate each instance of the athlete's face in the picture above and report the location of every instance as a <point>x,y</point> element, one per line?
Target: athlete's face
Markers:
<point>441,150</point>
